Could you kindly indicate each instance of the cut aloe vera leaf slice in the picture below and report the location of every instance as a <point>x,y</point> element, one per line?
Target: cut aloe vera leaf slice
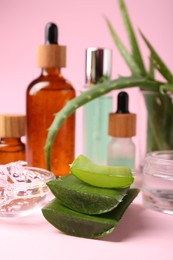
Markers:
<point>99,175</point>
<point>83,225</point>
<point>118,212</point>
<point>75,223</point>
<point>84,198</point>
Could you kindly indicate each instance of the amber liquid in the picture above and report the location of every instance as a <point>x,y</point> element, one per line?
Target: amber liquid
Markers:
<point>11,150</point>
<point>46,96</point>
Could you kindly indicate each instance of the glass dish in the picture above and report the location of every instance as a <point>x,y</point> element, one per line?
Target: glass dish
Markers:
<point>21,198</point>
<point>157,184</point>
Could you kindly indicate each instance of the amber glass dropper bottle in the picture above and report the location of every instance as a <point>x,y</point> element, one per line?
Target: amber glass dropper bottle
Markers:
<point>45,96</point>
<point>12,128</point>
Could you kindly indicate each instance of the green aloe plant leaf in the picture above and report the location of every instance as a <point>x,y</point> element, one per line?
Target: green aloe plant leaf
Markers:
<point>158,62</point>
<point>101,175</point>
<point>131,63</point>
<point>132,38</point>
<point>151,68</point>
<point>165,88</point>
<point>95,92</point>
<point>82,197</point>
<point>78,224</point>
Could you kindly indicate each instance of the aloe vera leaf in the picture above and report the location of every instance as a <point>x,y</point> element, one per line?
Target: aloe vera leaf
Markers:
<point>118,212</point>
<point>151,68</point>
<point>83,98</point>
<point>131,63</point>
<point>84,198</point>
<point>159,128</point>
<point>101,175</point>
<point>76,224</point>
<point>158,62</point>
<point>166,88</point>
<point>83,225</point>
<point>132,38</point>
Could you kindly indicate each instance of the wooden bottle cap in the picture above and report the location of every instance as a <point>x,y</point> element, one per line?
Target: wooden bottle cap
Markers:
<point>12,125</point>
<point>122,125</point>
<point>51,56</point>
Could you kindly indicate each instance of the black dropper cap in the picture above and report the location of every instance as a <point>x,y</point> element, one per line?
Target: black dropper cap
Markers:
<point>122,123</point>
<point>51,33</point>
<point>123,103</point>
<point>51,54</point>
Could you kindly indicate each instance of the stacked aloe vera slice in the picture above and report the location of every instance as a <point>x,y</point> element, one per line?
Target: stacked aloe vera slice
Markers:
<point>91,200</point>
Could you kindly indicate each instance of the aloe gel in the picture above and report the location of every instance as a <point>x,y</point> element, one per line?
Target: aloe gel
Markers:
<point>101,175</point>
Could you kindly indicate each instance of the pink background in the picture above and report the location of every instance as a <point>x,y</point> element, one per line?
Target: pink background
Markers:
<point>81,25</point>
<point>148,235</point>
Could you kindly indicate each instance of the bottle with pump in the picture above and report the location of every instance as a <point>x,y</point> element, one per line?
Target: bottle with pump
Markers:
<point>45,96</point>
<point>12,128</point>
<point>122,126</point>
<point>95,113</point>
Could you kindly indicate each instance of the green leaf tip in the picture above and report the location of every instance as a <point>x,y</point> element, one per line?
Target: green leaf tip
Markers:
<point>136,54</point>
<point>123,51</point>
<point>158,62</point>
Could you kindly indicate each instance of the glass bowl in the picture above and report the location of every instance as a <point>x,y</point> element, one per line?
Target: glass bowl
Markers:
<point>157,184</point>
<point>22,198</point>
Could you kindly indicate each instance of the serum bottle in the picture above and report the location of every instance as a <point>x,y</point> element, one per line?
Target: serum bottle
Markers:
<point>122,126</point>
<point>95,113</point>
<point>12,128</point>
<point>45,96</point>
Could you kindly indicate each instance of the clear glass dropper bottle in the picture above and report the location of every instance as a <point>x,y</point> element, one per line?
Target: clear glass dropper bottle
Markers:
<point>122,126</point>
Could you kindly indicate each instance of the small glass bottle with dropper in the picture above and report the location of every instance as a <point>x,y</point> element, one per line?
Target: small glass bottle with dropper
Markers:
<point>12,128</point>
<point>45,96</point>
<point>122,126</point>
